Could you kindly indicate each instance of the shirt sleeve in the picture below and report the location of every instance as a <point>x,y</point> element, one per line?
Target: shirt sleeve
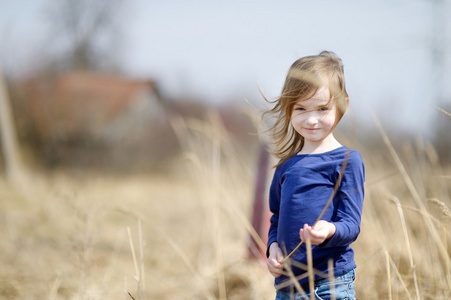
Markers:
<point>274,206</point>
<point>349,210</point>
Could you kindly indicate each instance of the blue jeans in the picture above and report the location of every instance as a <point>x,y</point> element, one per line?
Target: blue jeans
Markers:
<point>344,289</point>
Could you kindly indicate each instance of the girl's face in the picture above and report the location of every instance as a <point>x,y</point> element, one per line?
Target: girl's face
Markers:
<point>315,118</point>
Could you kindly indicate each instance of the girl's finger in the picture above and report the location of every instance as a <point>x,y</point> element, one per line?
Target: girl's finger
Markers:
<point>302,234</point>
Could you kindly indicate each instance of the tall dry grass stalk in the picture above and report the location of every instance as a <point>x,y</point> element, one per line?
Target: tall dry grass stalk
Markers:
<point>331,278</point>
<point>399,276</point>
<point>139,268</point>
<point>388,275</point>
<point>293,280</point>
<point>217,170</point>
<point>421,265</point>
<point>311,276</point>
<point>407,240</point>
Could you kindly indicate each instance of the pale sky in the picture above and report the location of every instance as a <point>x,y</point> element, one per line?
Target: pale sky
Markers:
<point>224,49</point>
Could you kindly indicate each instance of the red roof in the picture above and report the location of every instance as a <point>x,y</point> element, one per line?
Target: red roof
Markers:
<point>76,102</point>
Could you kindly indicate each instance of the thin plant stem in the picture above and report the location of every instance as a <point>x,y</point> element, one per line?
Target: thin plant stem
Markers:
<point>398,275</point>
<point>135,262</point>
<point>243,219</point>
<point>141,256</point>
<point>216,176</point>
<point>442,110</point>
<point>411,186</point>
<point>407,240</point>
<point>330,268</point>
<point>447,262</point>
<point>191,267</point>
<point>293,279</point>
<point>55,287</point>
<point>311,276</point>
<point>387,265</point>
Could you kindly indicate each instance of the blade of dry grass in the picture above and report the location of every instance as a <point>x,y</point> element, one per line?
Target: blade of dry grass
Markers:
<point>399,164</point>
<point>190,266</point>
<point>141,257</point>
<point>433,232</point>
<point>293,280</point>
<point>132,247</point>
<point>288,282</point>
<point>216,174</point>
<point>442,110</point>
<point>387,266</point>
<point>447,263</point>
<point>407,241</point>
<point>399,276</point>
<point>55,287</point>
<point>242,218</point>
<point>330,271</point>
<point>311,276</point>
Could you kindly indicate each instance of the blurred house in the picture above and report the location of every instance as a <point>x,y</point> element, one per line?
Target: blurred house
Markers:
<point>63,114</point>
<point>102,121</point>
<point>84,105</point>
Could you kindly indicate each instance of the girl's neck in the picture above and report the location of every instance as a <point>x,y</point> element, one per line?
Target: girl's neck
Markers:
<point>326,145</point>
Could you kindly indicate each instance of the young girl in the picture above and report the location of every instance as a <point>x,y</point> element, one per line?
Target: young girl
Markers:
<point>313,168</point>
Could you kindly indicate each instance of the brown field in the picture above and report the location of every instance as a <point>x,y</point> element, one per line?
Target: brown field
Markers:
<point>183,233</point>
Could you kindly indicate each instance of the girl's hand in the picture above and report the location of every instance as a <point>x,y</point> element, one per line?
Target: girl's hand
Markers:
<point>274,262</point>
<point>317,234</point>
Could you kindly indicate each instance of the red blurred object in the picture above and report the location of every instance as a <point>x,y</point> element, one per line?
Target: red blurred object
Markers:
<point>261,213</point>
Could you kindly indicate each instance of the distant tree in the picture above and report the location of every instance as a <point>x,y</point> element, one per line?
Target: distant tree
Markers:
<point>85,33</point>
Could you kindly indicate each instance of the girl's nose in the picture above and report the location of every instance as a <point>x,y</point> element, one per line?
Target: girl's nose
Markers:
<point>312,120</point>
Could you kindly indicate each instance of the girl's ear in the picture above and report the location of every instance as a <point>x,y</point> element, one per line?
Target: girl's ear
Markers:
<point>347,102</point>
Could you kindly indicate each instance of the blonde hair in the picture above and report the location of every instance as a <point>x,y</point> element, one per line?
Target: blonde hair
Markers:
<point>304,78</point>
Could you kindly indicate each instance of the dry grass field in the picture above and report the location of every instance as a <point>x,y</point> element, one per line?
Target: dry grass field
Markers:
<point>183,234</point>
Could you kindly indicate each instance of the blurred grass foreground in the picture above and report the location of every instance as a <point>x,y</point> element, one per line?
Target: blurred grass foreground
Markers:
<point>129,195</point>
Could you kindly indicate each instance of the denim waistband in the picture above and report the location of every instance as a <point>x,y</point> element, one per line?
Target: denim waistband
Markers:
<point>306,287</point>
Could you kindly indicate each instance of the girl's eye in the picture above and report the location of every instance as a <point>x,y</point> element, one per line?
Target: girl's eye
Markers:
<point>299,108</point>
<point>324,108</point>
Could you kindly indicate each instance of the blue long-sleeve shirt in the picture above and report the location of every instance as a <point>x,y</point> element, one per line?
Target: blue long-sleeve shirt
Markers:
<point>299,191</point>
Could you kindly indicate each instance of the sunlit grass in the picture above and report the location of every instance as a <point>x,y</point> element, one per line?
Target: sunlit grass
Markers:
<point>184,234</point>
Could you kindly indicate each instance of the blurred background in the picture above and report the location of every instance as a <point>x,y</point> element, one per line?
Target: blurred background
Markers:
<point>75,68</point>
<point>118,112</point>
